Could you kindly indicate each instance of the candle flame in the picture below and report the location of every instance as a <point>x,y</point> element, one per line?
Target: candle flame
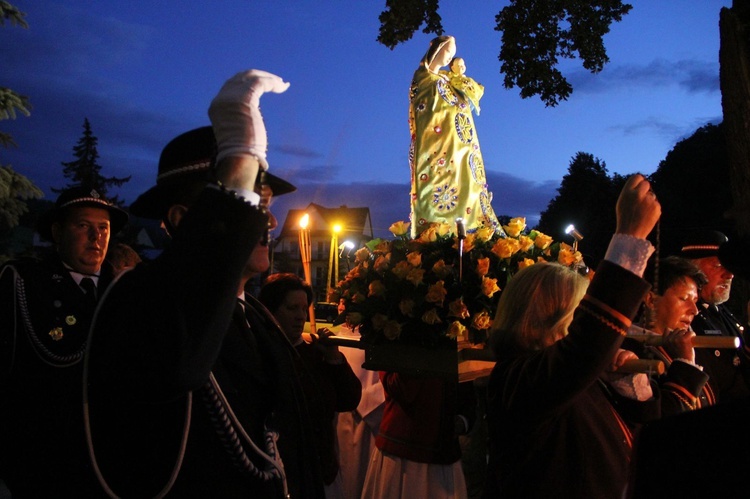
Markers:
<point>304,221</point>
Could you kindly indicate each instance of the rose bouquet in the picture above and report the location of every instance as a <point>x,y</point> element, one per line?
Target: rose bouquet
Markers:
<point>420,291</point>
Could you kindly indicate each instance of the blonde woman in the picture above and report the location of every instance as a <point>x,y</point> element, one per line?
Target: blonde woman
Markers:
<point>554,429</point>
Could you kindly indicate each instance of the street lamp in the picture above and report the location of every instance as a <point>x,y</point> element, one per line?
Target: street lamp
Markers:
<point>346,245</point>
<point>333,261</point>
<point>577,236</point>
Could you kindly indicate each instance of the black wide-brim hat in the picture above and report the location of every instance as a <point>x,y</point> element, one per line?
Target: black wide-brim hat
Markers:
<point>80,196</point>
<point>702,244</point>
<point>188,161</point>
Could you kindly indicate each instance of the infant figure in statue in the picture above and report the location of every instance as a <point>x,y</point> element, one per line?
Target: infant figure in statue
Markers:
<point>470,89</point>
<point>447,171</point>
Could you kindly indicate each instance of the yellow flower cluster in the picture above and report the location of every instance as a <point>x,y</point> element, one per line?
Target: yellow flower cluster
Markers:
<point>420,290</point>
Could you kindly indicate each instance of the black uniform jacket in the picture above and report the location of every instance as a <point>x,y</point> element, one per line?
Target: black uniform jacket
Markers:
<point>181,377</point>
<point>44,321</point>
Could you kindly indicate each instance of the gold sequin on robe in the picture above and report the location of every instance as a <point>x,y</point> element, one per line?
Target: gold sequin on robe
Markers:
<point>447,171</point>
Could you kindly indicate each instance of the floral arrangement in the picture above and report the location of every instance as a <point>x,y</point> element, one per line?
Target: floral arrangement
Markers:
<point>419,290</point>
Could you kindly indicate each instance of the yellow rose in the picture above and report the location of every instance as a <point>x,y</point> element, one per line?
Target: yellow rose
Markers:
<point>442,270</point>
<point>489,287</point>
<point>401,269</point>
<point>457,308</point>
<point>505,248</point>
<point>526,242</point>
<point>392,330</point>
<point>383,247</point>
<point>414,258</point>
<point>566,257</point>
<point>378,321</point>
<point>415,276</point>
<point>431,317</point>
<point>362,255</point>
<point>376,288</point>
<point>481,320</point>
<point>355,273</point>
<point>436,293</point>
<point>484,234</point>
<point>483,266</point>
<point>526,262</point>
<point>399,229</point>
<point>468,242</point>
<point>406,306</point>
<point>515,226</point>
<point>443,229</point>
<point>382,263</point>
<point>456,330</point>
<point>542,241</point>
<point>428,235</point>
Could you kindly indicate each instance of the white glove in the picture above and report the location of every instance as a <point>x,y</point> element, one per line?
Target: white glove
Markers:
<point>235,114</point>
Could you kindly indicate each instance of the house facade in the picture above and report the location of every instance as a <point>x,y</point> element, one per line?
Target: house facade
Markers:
<point>344,229</point>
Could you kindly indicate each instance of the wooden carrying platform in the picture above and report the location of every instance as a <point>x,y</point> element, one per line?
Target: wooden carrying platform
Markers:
<point>466,362</point>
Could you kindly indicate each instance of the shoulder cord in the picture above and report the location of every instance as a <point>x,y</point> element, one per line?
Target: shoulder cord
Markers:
<point>43,352</point>
<point>178,463</point>
<point>87,420</point>
<point>228,426</point>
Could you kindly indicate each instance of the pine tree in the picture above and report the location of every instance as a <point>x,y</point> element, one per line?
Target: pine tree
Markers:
<point>15,189</point>
<point>84,171</point>
<point>11,101</point>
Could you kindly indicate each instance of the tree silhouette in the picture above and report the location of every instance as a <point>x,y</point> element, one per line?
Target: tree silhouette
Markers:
<point>734,56</point>
<point>586,198</point>
<point>11,101</point>
<point>536,33</point>
<point>84,171</point>
<point>693,186</point>
<point>15,188</point>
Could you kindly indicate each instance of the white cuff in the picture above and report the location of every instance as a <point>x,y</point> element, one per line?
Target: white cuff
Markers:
<point>635,386</point>
<point>686,361</point>
<point>250,197</point>
<point>629,252</point>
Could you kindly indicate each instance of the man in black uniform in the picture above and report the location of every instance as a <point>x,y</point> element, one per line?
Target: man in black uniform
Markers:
<point>724,366</point>
<point>46,307</point>
<point>191,390</point>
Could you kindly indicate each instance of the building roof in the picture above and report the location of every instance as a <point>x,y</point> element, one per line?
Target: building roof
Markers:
<point>353,220</point>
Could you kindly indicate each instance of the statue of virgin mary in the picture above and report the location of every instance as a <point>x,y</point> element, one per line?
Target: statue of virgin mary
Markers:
<point>447,171</point>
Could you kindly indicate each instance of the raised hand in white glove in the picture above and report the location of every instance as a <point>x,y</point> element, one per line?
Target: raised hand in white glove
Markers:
<point>235,114</point>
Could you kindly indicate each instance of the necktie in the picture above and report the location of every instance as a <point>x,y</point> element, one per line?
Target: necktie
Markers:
<point>88,286</point>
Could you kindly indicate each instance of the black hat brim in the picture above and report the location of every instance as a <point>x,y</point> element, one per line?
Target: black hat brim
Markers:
<point>735,256</point>
<point>118,218</point>
<point>154,202</point>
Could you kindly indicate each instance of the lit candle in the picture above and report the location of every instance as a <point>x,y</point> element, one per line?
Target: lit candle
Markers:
<point>304,249</point>
<point>461,234</point>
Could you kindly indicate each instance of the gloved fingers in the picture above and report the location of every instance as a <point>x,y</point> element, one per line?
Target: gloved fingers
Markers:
<point>248,86</point>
